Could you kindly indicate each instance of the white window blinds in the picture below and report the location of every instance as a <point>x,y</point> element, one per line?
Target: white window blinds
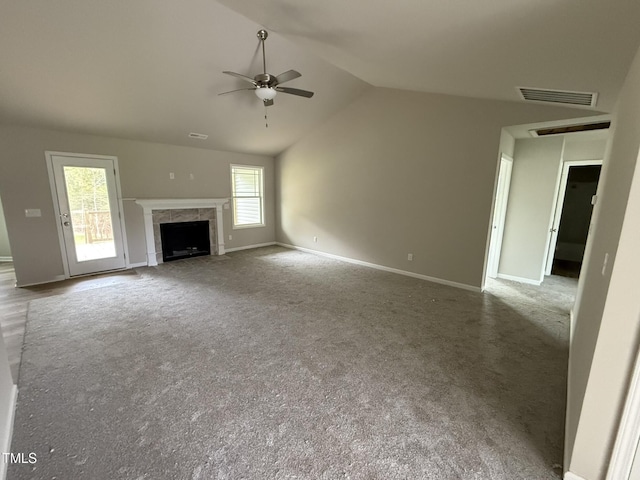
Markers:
<point>247,185</point>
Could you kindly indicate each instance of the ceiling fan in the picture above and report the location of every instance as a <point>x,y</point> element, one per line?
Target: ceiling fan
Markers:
<point>267,86</point>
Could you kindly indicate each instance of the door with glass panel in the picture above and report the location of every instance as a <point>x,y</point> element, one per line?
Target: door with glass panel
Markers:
<point>89,213</point>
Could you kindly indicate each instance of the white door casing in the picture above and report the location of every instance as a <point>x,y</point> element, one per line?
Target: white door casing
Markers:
<point>82,253</point>
<point>499,215</point>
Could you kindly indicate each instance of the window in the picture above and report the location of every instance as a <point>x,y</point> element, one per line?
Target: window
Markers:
<point>247,190</point>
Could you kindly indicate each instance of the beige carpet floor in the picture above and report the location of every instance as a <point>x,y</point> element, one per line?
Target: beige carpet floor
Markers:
<point>277,364</point>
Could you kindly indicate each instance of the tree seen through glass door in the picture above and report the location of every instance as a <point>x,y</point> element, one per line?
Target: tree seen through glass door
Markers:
<point>90,212</point>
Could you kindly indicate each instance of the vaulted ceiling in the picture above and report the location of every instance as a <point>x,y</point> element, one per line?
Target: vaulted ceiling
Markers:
<point>152,69</point>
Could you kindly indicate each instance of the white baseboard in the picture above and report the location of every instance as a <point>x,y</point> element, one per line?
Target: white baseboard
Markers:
<point>386,269</point>
<point>5,443</point>
<point>519,279</point>
<point>6,259</point>
<point>572,476</point>
<point>57,278</point>
<point>247,247</point>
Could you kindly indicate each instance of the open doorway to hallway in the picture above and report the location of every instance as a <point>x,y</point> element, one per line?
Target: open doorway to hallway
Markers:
<point>539,180</point>
<point>574,211</point>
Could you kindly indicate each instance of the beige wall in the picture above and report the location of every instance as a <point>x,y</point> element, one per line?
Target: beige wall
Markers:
<point>534,182</point>
<point>5,248</point>
<point>401,172</point>
<point>607,312</point>
<point>577,147</point>
<point>144,173</point>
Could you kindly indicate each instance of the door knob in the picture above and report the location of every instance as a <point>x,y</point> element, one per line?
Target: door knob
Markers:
<point>66,224</point>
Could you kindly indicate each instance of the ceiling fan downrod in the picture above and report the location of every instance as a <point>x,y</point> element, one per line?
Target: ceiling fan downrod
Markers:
<point>262,35</point>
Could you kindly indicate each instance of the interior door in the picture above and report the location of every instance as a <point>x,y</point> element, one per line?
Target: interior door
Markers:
<point>635,468</point>
<point>499,215</point>
<point>89,213</point>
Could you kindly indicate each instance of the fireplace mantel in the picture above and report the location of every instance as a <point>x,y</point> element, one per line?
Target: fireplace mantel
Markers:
<point>175,203</point>
<point>150,204</point>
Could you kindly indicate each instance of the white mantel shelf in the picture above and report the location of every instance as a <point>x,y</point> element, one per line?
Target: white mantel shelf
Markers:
<point>174,203</point>
<point>150,204</point>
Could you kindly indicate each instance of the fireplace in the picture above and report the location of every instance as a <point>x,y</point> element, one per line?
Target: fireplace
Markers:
<point>184,240</point>
<point>157,211</point>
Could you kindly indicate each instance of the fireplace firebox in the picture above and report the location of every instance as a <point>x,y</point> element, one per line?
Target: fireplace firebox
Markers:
<point>184,240</point>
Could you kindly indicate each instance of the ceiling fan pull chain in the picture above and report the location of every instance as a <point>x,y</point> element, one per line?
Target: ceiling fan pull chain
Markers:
<point>266,121</point>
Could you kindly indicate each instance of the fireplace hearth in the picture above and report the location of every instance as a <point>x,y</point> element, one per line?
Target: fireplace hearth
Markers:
<point>184,240</point>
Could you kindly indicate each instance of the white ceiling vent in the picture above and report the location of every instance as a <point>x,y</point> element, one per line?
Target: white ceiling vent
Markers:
<point>199,136</point>
<point>564,97</point>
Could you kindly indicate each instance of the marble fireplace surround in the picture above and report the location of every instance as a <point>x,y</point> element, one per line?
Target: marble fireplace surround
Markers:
<point>150,204</point>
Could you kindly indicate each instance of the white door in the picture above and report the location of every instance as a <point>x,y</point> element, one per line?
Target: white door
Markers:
<point>635,468</point>
<point>88,209</point>
<point>557,215</point>
<point>499,215</point>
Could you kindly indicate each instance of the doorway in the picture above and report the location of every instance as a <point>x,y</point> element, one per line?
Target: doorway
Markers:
<point>572,218</point>
<point>5,247</point>
<point>87,203</point>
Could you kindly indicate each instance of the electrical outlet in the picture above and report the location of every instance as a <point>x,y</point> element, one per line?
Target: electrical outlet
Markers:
<point>191,177</point>
<point>172,176</point>
<point>315,239</point>
<point>410,257</point>
<point>230,237</point>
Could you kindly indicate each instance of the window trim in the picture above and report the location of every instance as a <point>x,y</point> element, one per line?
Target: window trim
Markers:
<point>234,226</point>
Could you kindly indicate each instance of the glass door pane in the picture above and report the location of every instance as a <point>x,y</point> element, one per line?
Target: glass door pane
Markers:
<point>90,212</point>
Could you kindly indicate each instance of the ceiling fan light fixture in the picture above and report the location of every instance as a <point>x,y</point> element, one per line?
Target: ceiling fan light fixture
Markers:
<point>267,86</point>
<point>266,93</point>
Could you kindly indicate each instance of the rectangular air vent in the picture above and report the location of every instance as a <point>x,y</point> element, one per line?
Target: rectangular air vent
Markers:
<point>561,130</point>
<point>564,97</point>
<point>199,136</point>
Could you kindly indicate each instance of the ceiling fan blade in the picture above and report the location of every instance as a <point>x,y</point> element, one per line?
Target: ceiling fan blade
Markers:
<point>268,103</point>
<point>295,91</point>
<point>238,90</point>
<point>243,77</point>
<point>287,76</point>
